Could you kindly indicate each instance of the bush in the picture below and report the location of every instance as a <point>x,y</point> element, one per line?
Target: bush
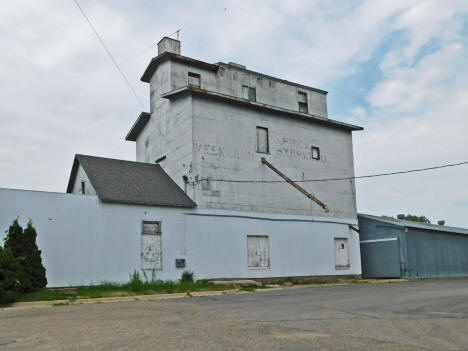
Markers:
<point>187,277</point>
<point>23,247</point>
<point>136,284</point>
<point>10,271</point>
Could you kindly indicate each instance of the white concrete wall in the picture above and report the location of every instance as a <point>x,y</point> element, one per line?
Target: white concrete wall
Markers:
<point>229,80</point>
<point>169,130</point>
<point>209,138</point>
<point>86,241</point>
<point>224,143</point>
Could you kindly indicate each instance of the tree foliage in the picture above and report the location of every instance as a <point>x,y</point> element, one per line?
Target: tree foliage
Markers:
<point>22,245</point>
<point>10,271</point>
<point>422,219</point>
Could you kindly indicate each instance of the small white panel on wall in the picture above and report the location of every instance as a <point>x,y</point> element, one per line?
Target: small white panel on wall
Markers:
<point>151,248</point>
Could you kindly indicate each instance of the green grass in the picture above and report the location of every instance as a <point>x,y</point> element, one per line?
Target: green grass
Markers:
<point>46,295</point>
<point>109,289</point>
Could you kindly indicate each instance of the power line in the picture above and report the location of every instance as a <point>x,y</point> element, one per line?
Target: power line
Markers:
<point>152,45</point>
<point>340,178</point>
<point>109,53</point>
<point>119,69</point>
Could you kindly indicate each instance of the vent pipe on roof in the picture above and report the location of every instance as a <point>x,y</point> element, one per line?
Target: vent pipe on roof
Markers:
<point>441,222</point>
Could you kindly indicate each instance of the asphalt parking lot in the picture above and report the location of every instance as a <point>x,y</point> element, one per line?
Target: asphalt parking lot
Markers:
<point>422,315</point>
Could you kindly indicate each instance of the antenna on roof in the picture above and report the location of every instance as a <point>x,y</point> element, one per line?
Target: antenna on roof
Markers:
<point>177,33</point>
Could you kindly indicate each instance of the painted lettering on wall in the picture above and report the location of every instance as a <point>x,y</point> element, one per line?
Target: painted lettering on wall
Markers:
<point>216,150</point>
<point>293,147</point>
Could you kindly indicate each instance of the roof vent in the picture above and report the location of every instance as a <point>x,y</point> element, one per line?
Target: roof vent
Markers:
<point>167,44</point>
<point>400,216</point>
<point>440,222</point>
<point>238,65</point>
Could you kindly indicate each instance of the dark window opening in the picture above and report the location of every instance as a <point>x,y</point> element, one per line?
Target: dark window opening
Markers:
<point>262,140</point>
<point>194,79</point>
<point>315,153</point>
<point>302,100</point>
<point>83,187</point>
<point>249,93</point>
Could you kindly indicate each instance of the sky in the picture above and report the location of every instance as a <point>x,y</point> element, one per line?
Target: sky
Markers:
<point>397,68</point>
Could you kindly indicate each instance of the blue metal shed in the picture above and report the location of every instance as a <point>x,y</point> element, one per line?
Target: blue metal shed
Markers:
<point>393,248</point>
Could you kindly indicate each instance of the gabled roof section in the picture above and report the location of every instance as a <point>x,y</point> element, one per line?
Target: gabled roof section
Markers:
<point>413,224</point>
<point>253,104</point>
<point>130,182</point>
<point>146,77</point>
<point>138,126</point>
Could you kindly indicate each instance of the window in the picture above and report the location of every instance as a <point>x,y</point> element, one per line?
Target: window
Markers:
<point>249,93</point>
<point>341,253</point>
<point>262,140</point>
<point>302,99</point>
<point>151,249</point>
<point>83,187</point>
<point>258,251</point>
<point>315,153</point>
<point>194,79</point>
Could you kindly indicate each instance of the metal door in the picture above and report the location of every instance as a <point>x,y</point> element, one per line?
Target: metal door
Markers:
<point>380,258</point>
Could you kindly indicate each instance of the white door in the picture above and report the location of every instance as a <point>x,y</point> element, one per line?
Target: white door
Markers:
<point>341,253</point>
<point>258,251</point>
<point>151,249</point>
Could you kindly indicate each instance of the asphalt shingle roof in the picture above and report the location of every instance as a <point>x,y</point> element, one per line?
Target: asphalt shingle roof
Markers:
<point>130,182</point>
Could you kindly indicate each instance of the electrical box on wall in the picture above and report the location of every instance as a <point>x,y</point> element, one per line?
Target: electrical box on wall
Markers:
<point>180,262</point>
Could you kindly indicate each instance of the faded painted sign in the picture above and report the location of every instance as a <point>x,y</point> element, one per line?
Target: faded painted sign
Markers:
<point>293,147</point>
<point>151,249</point>
<point>216,150</point>
<point>258,251</point>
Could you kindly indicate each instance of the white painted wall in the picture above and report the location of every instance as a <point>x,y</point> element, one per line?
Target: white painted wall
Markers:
<point>86,241</point>
<point>224,146</point>
<point>205,138</point>
<point>82,176</point>
<point>230,79</point>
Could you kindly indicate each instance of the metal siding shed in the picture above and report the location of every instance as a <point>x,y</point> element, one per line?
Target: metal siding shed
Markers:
<point>436,254</point>
<point>424,250</point>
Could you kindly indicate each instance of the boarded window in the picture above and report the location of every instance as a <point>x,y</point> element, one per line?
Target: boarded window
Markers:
<point>315,153</point>
<point>302,100</point>
<point>341,253</point>
<point>151,249</point>
<point>249,93</point>
<point>258,251</point>
<point>262,140</point>
<point>194,79</point>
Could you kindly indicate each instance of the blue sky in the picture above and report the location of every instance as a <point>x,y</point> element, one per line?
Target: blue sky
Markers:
<point>398,68</point>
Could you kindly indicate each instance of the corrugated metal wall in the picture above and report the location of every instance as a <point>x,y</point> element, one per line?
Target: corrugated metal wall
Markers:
<point>422,253</point>
<point>434,254</point>
<point>382,259</point>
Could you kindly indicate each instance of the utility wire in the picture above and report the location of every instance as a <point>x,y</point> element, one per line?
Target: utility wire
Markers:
<point>119,69</point>
<point>109,53</point>
<point>156,42</point>
<point>340,178</point>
